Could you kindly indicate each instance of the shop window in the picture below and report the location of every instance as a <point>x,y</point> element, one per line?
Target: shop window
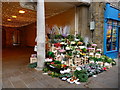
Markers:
<point>111,35</point>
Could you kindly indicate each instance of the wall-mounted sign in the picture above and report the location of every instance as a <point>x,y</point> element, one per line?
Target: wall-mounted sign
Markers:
<point>92,25</point>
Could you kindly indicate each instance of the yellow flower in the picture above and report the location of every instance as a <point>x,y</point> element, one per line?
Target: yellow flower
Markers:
<point>80,53</point>
<point>84,54</point>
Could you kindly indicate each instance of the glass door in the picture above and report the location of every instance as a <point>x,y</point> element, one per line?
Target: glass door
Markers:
<point>119,37</point>
<point>111,36</point>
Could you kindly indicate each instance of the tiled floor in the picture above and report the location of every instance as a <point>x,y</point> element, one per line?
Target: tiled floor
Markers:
<point>16,74</point>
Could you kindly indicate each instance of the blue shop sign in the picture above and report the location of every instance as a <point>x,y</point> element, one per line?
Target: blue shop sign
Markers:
<point>111,28</point>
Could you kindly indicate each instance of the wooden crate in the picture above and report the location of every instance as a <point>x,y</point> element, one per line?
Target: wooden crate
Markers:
<point>33,59</point>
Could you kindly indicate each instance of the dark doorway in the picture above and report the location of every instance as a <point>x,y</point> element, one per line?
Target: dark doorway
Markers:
<point>3,38</point>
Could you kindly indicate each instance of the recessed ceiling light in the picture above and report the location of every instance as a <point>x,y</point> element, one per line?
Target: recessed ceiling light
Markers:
<point>14,16</point>
<point>8,19</point>
<point>21,11</point>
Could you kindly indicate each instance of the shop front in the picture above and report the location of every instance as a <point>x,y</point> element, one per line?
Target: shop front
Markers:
<point>111,31</point>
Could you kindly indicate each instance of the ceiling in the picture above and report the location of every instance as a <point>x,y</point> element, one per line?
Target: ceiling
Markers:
<point>54,8</point>
<point>12,8</point>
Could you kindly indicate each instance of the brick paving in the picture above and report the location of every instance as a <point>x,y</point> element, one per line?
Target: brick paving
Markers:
<point>16,74</point>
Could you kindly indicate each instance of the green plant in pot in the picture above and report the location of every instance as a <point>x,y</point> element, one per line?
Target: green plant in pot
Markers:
<point>109,60</point>
<point>81,75</point>
<point>45,69</point>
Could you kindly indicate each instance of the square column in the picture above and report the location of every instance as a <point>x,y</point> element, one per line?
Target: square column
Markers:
<point>40,34</point>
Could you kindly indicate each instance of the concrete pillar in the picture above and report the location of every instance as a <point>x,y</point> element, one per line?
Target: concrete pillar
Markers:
<point>83,22</point>
<point>40,34</point>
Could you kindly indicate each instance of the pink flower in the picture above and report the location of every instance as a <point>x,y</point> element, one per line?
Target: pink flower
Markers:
<point>94,44</point>
<point>58,48</point>
<point>62,50</point>
<point>90,48</point>
<point>52,63</point>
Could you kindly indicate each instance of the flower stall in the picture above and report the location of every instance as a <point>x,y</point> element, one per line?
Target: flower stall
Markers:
<point>69,59</point>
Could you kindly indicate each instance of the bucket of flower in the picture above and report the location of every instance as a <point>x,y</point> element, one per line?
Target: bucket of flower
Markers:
<point>54,74</point>
<point>56,66</point>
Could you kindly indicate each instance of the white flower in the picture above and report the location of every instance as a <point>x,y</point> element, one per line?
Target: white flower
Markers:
<point>67,71</point>
<point>65,43</point>
<point>81,47</point>
<point>91,61</point>
<point>58,55</point>
<point>77,82</point>
<point>72,42</point>
<point>67,48</point>
<point>76,47</point>
<point>64,78</point>
<point>48,60</point>
<point>106,64</point>
<point>99,50</point>
<point>77,39</point>
<point>62,72</point>
<point>77,55</point>
<point>62,43</point>
<point>94,75</point>
<point>78,68</point>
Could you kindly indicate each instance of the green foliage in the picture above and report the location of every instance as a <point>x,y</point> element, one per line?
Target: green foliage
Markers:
<point>83,77</point>
<point>58,36</point>
<point>69,53</point>
<point>84,50</point>
<point>100,59</point>
<point>53,41</point>
<point>106,59</point>
<point>103,59</point>
<point>79,37</point>
<point>93,58</point>
<point>70,37</point>
<point>45,69</point>
<point>77,73</point>
<point>89,44</point>
<point>32,65</point>
<point>66,75</point>
<point>57,62</point>
<point>109,60</point>
<point>50,54</point>
<point>54,74</point>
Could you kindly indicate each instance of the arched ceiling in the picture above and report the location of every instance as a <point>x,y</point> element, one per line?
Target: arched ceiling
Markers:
<point>10,9</point>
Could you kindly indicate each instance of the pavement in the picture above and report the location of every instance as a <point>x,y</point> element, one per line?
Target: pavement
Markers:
<point>16,74</point>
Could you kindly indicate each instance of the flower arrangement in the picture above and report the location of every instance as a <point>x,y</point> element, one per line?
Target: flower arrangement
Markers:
<point>76,62</point>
